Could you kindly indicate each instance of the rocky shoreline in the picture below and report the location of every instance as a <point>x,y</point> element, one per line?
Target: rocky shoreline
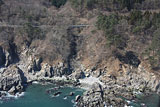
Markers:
<point>102,87</point>
<point>115,91</point>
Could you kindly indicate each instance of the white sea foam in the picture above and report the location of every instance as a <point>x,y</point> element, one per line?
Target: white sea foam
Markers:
<point>65,98</point>
<point>35,82</point>
<point>16,96</point>
<point>72,101</point>
<point>55,96</point>
<point>79,90</point>
<point>129,102</point>
<point>127,106</point>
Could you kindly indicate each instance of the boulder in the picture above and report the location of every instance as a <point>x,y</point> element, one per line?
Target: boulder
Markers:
<point>12,91</point>
<point>77,98</point>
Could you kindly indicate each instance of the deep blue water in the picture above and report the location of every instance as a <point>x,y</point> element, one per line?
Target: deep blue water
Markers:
<point>36,96</point>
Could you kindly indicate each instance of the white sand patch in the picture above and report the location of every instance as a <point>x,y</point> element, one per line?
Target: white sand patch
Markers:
<point>89,81</point>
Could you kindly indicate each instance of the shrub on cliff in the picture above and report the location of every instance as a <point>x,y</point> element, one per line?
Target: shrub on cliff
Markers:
<point>129,4</point>
<point>89,4</point>
<point>107,24</point>
<point>58,3</point>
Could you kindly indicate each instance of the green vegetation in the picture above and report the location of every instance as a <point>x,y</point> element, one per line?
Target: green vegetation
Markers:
<point>155,49</point>
<point>107,24</point>
<point>156,20</point>
<point>58,3</point>
<point>140,23</point>
<point>104,4</point>
<point>146,22</point>
<point>129,4</point>
<point>89,4</point>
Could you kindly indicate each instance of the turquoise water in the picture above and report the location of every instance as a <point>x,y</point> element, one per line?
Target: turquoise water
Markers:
<point>147,101</point>
<point>36,96</point>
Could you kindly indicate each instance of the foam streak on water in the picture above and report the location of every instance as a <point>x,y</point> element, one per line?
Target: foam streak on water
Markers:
<point>36,96</point>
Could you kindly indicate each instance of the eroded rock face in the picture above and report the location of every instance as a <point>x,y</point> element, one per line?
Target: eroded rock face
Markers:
<point>46,71</point>
<point>8,55</point>
<point>11,79</point>
<point>2,57</point>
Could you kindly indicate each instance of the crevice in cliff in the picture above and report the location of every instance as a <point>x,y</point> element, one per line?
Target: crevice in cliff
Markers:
<point>72,38</point>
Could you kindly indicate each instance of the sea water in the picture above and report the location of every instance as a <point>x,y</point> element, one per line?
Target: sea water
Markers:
<point>36,96</point>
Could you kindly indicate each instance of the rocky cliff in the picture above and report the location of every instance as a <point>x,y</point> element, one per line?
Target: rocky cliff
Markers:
<point>40,41</point>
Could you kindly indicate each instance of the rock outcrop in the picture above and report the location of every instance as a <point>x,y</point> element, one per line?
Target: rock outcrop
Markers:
<point>120,88</point>
<point>12,79</point>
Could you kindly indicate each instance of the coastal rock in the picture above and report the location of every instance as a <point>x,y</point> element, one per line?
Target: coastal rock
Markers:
<point>34,64</point>
<point>11,77</point>
<point>47,70</point>
<point>77,98</point>
<point>57,93</point>
<point>8,54</point>
<point>79,75</point>
<point>71,94</point>
<point>12,90</point>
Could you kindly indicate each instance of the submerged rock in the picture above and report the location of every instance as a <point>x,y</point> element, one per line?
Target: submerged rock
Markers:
<point>57,93</point>
<point>71,94</point>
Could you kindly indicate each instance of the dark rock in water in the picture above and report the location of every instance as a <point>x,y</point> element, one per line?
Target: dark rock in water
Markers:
<point>0,94</point>
<point>71,94</point>
<point>77,98</point>
<point>57,93</point>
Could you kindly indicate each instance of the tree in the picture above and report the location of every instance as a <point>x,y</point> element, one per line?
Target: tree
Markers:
<point>135,16</point>
<point>107,24</point>
<point>58,3</point>
<point>155,49</point>
<point>155,45</point>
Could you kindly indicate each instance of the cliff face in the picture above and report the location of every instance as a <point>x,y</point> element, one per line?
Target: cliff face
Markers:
<point>41,40</point>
